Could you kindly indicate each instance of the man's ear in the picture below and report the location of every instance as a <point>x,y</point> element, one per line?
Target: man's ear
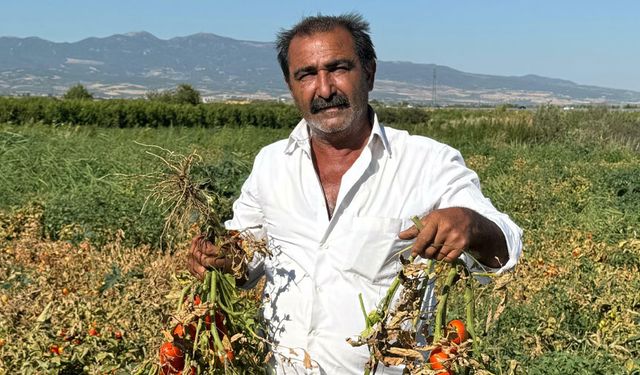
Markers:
<point>287,80</point>
<point>371,74</point>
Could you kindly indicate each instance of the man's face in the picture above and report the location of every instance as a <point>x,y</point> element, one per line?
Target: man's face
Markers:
<point>327,81</point>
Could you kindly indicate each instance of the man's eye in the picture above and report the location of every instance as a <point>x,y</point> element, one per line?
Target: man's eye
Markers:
<point>305,76</point>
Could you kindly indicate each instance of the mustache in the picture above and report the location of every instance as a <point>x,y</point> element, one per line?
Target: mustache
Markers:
<point>318,104</point>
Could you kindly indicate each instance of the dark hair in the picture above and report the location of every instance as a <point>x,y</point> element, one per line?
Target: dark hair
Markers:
<point>354,23</point>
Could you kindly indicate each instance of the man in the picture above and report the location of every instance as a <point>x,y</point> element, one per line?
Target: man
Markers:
<point>332,200</point>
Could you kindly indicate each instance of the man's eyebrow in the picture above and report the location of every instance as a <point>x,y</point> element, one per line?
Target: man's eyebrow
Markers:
<point>330,65</point>
<point>333,64</point>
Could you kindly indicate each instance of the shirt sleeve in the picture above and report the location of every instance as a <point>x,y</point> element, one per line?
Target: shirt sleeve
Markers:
<point>459,186</point>
<point>248,218</point>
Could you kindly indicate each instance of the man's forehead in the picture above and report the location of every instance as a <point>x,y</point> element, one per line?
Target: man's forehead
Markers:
<point>334,37</point>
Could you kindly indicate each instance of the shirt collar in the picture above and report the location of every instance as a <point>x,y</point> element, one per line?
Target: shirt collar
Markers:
<point>299,137</point>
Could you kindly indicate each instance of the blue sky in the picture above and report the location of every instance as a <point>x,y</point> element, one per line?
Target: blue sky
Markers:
<point>588,42</point>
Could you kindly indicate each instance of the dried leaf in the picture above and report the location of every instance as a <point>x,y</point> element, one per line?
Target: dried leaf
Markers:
<point>493,317</point>
<point>501,281</point>
<point>45,315</point>
<point>236,337</point>
<point>410,353</point>
<point>307,360</point>
<point>392,361</point>
<point>397,319</point>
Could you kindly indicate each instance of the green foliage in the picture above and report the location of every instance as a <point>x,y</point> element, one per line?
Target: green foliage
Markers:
<point>171,108</point>
<point>571,179</point>
<point>560,363</point>
<point>85,177</point>
<point>77,92</point>
<point>400,115</point>
<point>118,113</point>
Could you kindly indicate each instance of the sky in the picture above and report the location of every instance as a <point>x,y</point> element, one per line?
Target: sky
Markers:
<point>587,42</point>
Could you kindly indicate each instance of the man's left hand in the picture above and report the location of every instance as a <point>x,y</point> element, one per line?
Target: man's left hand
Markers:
<point>448,232</point>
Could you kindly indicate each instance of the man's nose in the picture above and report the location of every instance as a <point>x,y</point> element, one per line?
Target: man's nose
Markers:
<point>325,86</point>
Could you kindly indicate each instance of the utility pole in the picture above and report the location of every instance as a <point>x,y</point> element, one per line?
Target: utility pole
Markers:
<point>433,89</point>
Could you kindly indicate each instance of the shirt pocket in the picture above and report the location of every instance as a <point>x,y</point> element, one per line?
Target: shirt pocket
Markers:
<point>371,247</point>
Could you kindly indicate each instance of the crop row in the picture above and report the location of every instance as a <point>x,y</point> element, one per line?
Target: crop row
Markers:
<point>132,113</point>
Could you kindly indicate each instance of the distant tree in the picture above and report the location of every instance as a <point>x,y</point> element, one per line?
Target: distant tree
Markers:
<point>183,94</point>
<point>159,96</point>
<point>77,92</point>
<point>186,94</point>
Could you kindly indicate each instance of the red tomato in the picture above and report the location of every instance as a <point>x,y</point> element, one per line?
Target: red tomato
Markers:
<point>55,349</point>
<point>171,359</point>
<point>438,361</point>
<point>93,332</point>
<point>207,321</point>
<point>459,332</point>
<point>197,300</point>
<point>182,332</point>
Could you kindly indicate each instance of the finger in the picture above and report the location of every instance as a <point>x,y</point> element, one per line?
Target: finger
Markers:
<point>453,254</point>
<point>209,248</point>
<point>195,269</point>
<point>408,234</point>
<point>195,240</point>
<point>222,263</point>
<point>440,247</point>
<point>426,236</point>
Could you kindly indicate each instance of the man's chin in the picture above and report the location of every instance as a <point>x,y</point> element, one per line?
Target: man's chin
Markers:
<point>327,127</point>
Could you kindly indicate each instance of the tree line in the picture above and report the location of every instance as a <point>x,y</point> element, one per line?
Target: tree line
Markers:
<point>179,107</point>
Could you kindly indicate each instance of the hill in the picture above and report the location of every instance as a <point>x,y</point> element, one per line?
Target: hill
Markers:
<point>127,65</point>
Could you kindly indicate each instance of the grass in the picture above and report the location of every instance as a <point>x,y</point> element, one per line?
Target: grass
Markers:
<point>71,220</point>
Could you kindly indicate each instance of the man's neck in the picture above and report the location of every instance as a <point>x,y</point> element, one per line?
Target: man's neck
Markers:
<point>333,154</point>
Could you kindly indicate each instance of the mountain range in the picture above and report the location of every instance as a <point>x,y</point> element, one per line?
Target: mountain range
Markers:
<point>129,65</point>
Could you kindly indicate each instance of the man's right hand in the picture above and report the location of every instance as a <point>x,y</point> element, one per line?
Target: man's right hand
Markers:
<point>205,255</point>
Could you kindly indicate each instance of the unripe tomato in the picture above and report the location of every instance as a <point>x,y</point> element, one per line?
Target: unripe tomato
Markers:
<point>459,332</point>
<point>438,361</point>
<point>171,359</point>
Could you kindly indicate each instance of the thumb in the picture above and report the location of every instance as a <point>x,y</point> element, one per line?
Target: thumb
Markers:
<point>413,231</point>
<point>409,234</point>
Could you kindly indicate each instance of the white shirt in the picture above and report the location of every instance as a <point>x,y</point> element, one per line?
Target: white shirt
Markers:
<point>320,265</point>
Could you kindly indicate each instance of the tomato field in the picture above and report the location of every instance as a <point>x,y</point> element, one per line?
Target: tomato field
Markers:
<point>88,283</point>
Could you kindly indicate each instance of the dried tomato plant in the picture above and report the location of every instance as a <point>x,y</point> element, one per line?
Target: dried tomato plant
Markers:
<point>216,328</point>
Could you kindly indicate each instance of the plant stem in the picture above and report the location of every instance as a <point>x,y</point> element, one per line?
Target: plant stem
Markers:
<point>396,281</point>
<point>183,294</point>
<point>364,311</point>
<point>441,311</point>
<point>212,299</point>
<point>470,310</point>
